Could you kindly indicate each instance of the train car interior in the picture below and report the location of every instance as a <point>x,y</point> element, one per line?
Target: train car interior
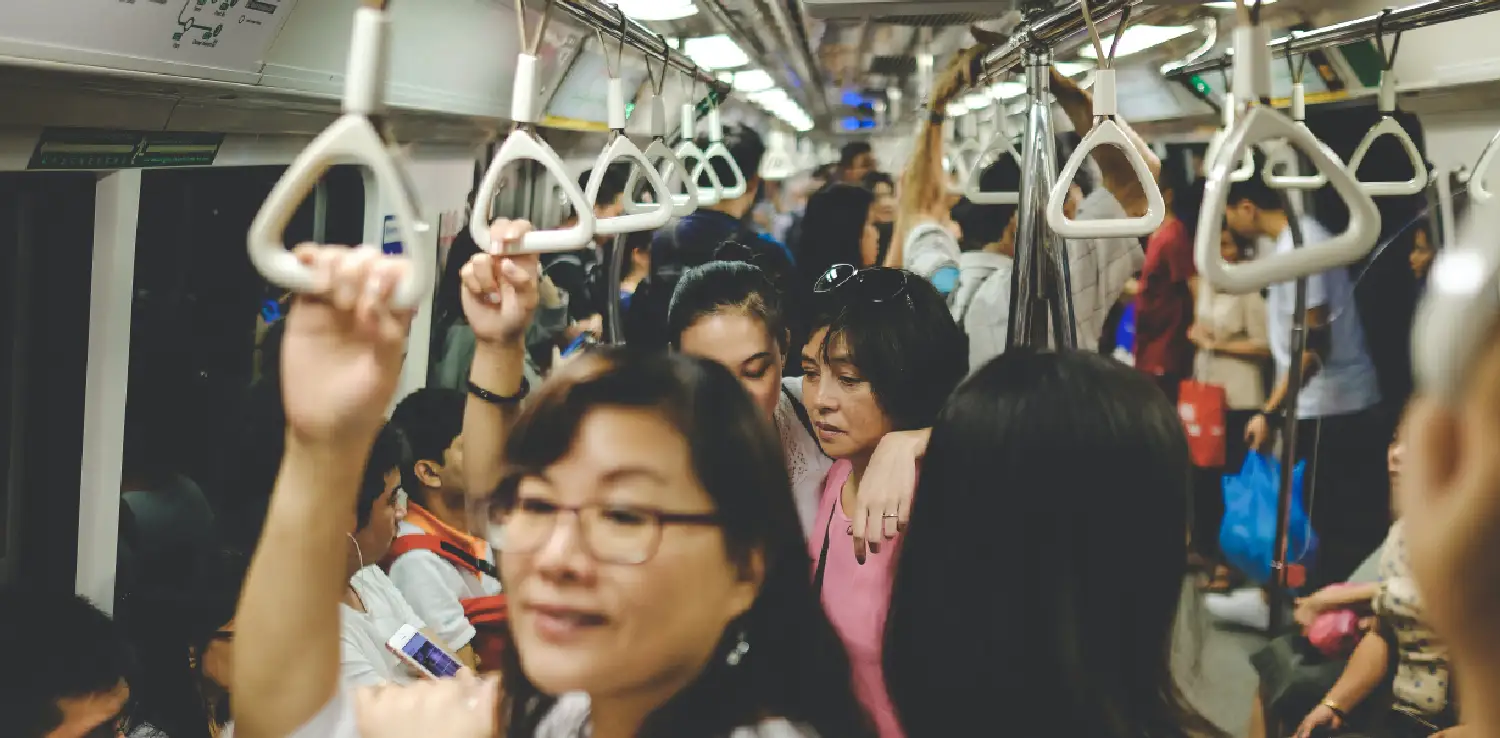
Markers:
<point>161,160</point>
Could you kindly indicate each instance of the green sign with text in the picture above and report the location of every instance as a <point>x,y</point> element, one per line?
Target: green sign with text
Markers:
<point>88,148</point>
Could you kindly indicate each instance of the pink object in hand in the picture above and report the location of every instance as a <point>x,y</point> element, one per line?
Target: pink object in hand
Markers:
<point>1335,633</point>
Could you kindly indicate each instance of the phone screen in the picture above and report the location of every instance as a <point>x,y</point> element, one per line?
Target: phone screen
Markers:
<point>437,662</point>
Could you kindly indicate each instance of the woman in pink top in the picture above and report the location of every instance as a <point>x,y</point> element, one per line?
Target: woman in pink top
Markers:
<point>883,356</point>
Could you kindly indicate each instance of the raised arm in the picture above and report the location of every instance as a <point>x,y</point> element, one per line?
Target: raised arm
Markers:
<point>500,297</point>
<point>1119,176</point>
<point>340,360</point>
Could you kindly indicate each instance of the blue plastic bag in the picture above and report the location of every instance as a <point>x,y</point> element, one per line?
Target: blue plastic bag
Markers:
<point>1248,533</point>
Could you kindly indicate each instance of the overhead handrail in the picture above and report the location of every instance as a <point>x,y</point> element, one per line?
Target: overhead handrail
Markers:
<point>1289,156</point>
<point>1263,123</point>
<point>683,189</point>
<point>1000,144</point>
<point>1459,310</point>
<point>621,147</point>
<point>1107,131</point>
<point>523,144</point>
<point>717,150</point>
<point>1389,126</point>
<point>688,151</point>
<point>354,137</point>
<point>1246,169</point>
<point>1478,190</point>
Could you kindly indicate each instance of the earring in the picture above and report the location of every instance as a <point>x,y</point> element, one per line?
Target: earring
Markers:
<point>737,654</point>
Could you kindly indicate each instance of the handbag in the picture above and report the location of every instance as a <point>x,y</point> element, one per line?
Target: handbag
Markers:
<point>1203,408</point>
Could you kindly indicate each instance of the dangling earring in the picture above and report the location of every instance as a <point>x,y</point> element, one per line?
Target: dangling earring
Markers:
<point>357,552</point>
<point>737,654</point>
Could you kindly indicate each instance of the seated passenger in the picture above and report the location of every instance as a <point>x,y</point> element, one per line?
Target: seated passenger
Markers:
<point>373,608</point>
<point>447,575</point>
<point>883,356</point>
<point>658,570</point>
<point>1060,620</point>
<point>67,664</point>
<point>184,641</point>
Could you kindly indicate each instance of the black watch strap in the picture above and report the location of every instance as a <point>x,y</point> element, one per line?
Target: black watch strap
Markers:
<point>498,399</point>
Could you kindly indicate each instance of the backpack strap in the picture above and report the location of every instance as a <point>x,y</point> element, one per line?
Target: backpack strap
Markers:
<point>449,552</point>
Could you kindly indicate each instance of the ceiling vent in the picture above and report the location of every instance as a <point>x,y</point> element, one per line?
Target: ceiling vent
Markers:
<point>920,13</point>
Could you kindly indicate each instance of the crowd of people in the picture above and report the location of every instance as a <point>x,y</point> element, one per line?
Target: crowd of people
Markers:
<point>813,493</point>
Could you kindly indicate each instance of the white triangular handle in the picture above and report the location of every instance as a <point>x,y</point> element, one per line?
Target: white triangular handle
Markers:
<point>1389,126</point>
<point>1000,145</point>
<point>1460,308</point>
<point>621,147</point>
<point>1477,188</point>
<point>351,139</point>
<point>1286,155</point>
<point>965,159</point>
<point>717,150</point>
<point>522,145</point>
<point>1265,124</point>
<point>674,172</point>
<point>1106,133</point>
<point>1246,169</point>
<point>688,151</point>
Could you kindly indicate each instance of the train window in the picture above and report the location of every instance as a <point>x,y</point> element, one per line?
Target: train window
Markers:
<point>46,248</point>
<point>199,312</point>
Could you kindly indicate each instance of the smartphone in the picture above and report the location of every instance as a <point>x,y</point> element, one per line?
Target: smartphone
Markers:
<point>414,648</point>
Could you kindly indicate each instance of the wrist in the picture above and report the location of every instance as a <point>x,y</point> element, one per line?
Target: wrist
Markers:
<point>502,347</point>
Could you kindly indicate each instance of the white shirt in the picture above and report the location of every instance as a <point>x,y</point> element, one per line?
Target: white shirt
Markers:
<point>1347,382</point>
<point>1098,268</point>
<point>436,588</point>
<point>362,635</point>
<point>806,463</point>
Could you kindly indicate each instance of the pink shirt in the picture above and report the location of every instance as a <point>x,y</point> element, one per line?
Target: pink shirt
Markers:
<point>856,598</point>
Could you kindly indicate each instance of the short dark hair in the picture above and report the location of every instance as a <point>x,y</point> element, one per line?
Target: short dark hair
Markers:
<point>1009,441</point>
<point>878,178</point>
<point>65,646</point>
<point>745,146</point>
<point>616,176</point>
<point>824,171</point>
<point>388,452</point>
<point>727,286</point>
<point>1256,191</point>
<point>909,348</point>
<point>853,150</point>
<point>430,419</point>
<point>985,224</point>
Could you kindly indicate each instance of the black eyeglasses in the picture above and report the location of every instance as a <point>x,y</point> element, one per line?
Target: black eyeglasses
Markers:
<point>612,534</point>
<point>876,284</point>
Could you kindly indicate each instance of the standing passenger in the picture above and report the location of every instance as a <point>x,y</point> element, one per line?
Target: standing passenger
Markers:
<point>1169,289</point>
<point>839,228</point>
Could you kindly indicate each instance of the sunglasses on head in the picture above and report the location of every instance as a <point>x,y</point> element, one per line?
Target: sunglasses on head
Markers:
<point>876,284</point>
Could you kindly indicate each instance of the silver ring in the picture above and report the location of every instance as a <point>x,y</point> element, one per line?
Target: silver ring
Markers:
<point>888,515</point>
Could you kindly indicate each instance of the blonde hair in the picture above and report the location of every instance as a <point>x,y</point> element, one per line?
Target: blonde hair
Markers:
<point>924,183</point>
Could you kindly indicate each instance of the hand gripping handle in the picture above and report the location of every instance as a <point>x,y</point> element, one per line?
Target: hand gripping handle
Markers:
<point>1265,124</point>
<point>1459,310</point>
<point>1389,126</point>
<point>717,150</point>
<point>1106,132</point>
<point>620,147</point>
<point>523,145</point>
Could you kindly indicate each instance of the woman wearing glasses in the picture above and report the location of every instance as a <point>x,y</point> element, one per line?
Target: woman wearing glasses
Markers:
<point>732,312</point>
<point>883,356</point>
<point>657,579</point>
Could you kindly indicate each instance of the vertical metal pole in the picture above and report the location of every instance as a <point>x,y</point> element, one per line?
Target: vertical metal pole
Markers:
<point>112,286</point>
<point>1278,594</point>
<point>1029,284</point>
<point>616,332</point>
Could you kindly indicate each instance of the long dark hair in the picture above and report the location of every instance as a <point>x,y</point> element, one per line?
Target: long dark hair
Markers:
<point>1078,639</point>
<point>796,668</point>
<point>170,627</point>
<point>832,228</point>
<point>728,286</point>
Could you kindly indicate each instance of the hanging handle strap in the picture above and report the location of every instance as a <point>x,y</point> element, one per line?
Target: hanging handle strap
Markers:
<point>1286,155</point>
<point>351,138</point>
<point>1107,132</point>
<point>688,151</point>
<point>717,150</point>
<point>968,152</point>
<point>524,145</point>
<point>1478,190</point>
<point>777,164</point>
<point>621,147</point>
<point>1000,145</point>
<point>1389,126</point>
<point>684,191</point>
<point>1266,124</point>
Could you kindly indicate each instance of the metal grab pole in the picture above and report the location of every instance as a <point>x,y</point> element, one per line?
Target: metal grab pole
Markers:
<point>1037,247</point>
<point>616,331</point>
<point>1279,566</point>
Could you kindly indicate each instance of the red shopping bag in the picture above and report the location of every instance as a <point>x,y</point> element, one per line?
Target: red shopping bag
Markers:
<point>1201,407</point>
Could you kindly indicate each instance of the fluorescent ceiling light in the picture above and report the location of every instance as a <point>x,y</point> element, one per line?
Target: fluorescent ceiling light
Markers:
<point>1073,69</point>
<point>755,80</point>
<point>1138,39</point>
<point>657,10</point>
<point>957,108</point>
<point>977,100</point>
<point>715,52</point>
<point>1007,90</point>
<point>1230,5</point>
<point>770,97</point>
